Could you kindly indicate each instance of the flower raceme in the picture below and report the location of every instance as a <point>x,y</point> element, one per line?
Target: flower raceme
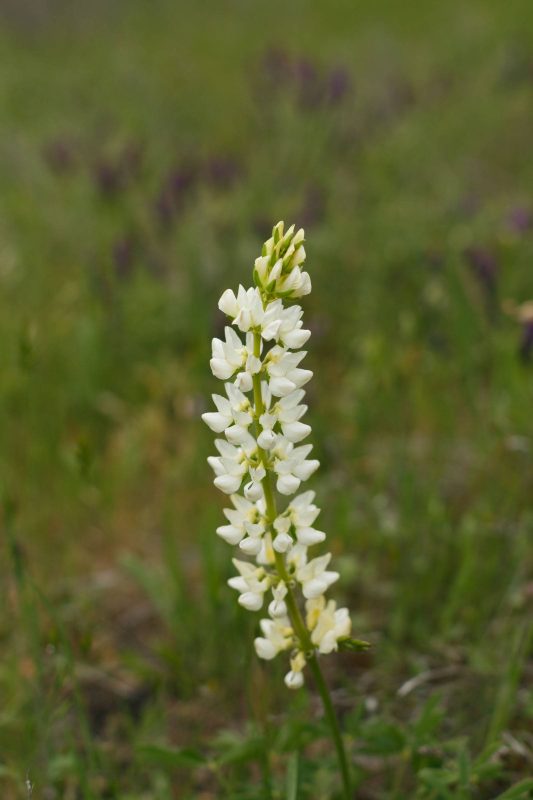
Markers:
<point>260,416</point>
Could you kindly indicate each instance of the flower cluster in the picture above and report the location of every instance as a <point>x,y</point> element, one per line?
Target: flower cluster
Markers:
<point>260,416</point>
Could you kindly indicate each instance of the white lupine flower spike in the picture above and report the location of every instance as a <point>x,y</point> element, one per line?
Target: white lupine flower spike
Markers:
<point>261,420</point>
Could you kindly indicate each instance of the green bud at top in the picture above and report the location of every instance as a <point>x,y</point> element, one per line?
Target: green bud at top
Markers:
<point>277,271</point>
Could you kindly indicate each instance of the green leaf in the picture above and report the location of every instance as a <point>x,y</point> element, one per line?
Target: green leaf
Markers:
<point>520,791</point>
<point>9,773</point>
<point>170,757</point>
<point>382,738</point>
<point>347,644</point>
<point>438,779</point>
<point>62,765</point>
<point>296,734</point>
<point>234,749</point>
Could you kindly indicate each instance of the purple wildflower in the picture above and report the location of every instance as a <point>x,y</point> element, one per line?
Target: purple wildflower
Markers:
<point>484,266</point>
<point>181,180</point>
<point>131,160</point>
<point>164,207</point>
<point>223,172</point>
<point>520,220</point>
<point>174,192</point>
<point>123,256</point>
<point>526,343</point>
<point>338,85</point>
<point>59,156</point>
<point>108,177</point>
<point>276,66</point>
<point>309,85</point>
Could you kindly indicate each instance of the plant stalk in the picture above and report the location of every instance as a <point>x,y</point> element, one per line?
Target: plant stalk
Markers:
<point>295,614</point>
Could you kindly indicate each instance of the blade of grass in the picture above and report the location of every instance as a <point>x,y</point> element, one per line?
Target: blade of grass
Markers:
<point>292,776</point>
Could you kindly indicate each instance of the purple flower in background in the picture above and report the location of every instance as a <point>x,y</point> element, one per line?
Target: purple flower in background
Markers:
<point>520,220</point>
<point>310,87</point>
<point>112,173</point>
<point>123,255</point>
<point>484,266</point>
<point>108,177</point>
<point>397,98</point>
<point>222,172</point>
<point>526,343</point>
<point>59,156</point>
<point>276,66</point>
<point>174,192</point>
<point>272,75</point>
<point>164,207</point>
<point>180,181</point>
<point>303,80</point>
<point>338,85</point>
<point>131,160</point>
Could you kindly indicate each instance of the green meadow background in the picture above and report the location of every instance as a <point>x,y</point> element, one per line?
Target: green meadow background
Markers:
<point>146,150</point>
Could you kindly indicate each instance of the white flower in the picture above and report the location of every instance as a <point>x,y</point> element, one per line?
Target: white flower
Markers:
<point>233,415</point>
<point>253,490</point>
<point>278,607</point>
<point>251,583</point>
<point>302,510</point>
<point>292,466</point>
<point>302,513</point>
<point>245,519</point>
<point>267,439</point>
<point>283,540</point>
<point>227,356</point>
<point>221,419</point>
<point>287,413</point>
<point>314,577</point>
<point>246,308</point>
<point>282,368</point>
<point>231,356</point>
<point>228,304</point>
<point>266,555</point>
<point>284,325</point>
<point>327,623</point>
<point>261,445</point>
<point>229,467</point>
<point>277,636</point>
<point>295,679</point>
<point>295,284</point>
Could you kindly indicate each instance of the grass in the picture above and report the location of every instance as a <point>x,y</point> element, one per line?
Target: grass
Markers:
<point>145,153</point>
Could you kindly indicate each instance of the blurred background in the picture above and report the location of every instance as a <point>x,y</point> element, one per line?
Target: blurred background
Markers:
<point>146,150</point>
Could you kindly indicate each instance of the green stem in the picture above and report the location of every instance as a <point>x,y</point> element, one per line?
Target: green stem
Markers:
<point>333,724</point>
<point>295,614</point>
